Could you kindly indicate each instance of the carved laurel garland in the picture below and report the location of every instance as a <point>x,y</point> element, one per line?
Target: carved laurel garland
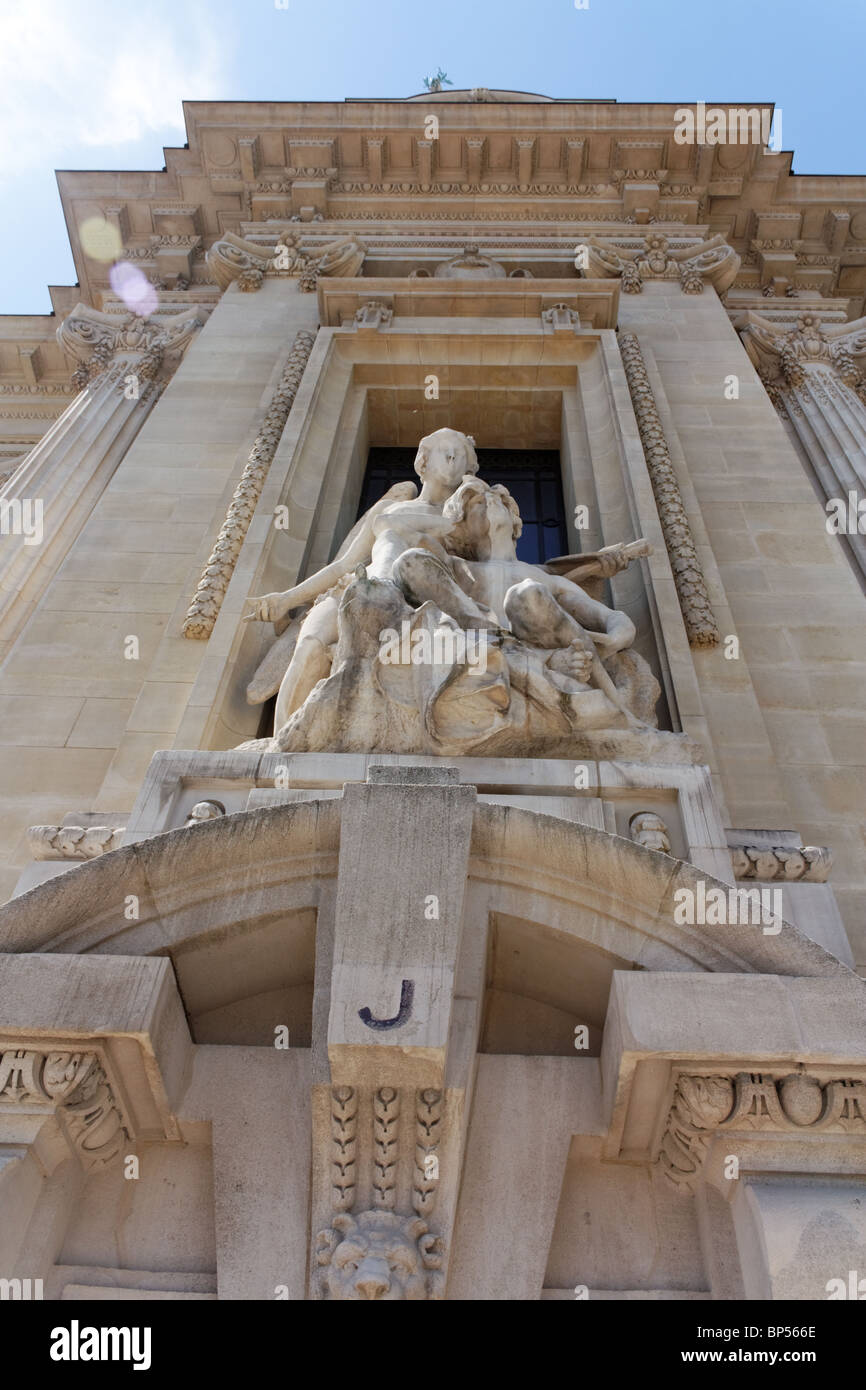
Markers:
<point>344,1146</point>
<point>211,589</point>
<point>428,1130</point>
<point>691,587</point>
<point>76,1083</point>
<point>386,1133</point>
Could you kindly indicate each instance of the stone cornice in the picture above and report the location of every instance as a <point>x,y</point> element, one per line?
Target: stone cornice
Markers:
<point>305,160</point>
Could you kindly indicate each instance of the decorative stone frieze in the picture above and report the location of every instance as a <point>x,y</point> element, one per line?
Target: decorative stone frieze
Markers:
<point>75,1083</point>
<point>691,587</point>
<point>73,841</point>
<point>210,592</point>
<point>751,1101</point>
<point>811,864</point>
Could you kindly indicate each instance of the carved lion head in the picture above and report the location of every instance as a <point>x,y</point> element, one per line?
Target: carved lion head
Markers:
<point>379,1255</point>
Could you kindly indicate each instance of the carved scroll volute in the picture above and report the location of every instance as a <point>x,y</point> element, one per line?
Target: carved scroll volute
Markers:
<point>77,1085</point>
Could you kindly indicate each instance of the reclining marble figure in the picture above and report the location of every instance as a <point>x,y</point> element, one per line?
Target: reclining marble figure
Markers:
<point>555,659</point>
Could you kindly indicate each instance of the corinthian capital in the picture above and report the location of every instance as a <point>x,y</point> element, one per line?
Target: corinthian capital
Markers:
<point>782,353</point>
<point>95,339</point>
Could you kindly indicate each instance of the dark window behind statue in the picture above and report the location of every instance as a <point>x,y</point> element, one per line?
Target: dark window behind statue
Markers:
<point>532,476</point>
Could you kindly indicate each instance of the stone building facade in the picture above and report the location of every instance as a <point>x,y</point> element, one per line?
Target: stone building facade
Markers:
<point>521,959</point>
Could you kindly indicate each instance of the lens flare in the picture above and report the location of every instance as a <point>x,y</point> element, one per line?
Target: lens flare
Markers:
<point>100,240</point>
<point>136,291</point>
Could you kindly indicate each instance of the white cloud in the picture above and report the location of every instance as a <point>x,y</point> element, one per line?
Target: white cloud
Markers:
<point>99,74</point>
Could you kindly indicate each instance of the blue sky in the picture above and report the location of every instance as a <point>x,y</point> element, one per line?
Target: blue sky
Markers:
<point>99,85</point>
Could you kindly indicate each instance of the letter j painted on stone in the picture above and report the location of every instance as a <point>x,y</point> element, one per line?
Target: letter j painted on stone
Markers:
<point>407,994</point>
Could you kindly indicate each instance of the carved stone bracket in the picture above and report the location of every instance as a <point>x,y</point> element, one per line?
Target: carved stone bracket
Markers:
<point>562,318</point>
<point>749,1101</point>
<point>691,587</point>
<point>373,315</point>
<point>76,1084</point>
<point>101,343</point>
<point>382,1252</point>
<point>210,592</point>
<point>811,864</point>
<point>714,263</point>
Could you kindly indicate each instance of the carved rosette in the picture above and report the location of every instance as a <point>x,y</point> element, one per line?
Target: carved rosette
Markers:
<point>211,589</point>
<point>691,587</point>
<point>750,1101</point>
<point>76,1084</point>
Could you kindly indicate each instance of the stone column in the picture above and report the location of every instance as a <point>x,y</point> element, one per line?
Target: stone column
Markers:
<point>813,375</point>
<point>44,505</point>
